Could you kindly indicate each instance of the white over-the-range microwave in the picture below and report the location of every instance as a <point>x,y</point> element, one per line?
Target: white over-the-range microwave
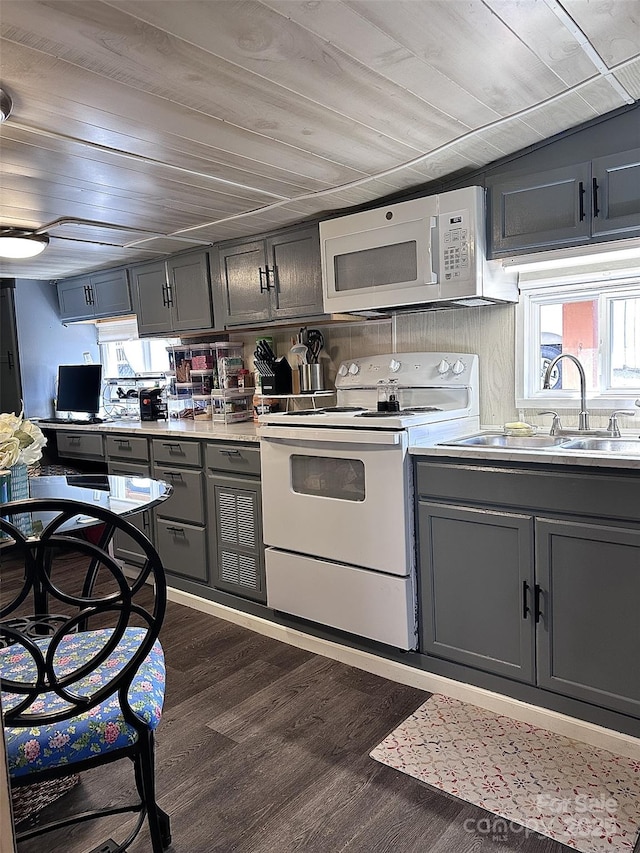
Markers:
<point>429,252</point>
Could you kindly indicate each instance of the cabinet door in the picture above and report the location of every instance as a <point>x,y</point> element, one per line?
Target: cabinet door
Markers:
<point>616,194</point>
<point>125,548</point>
<point>190,292</point>
<point>74,299</point>
<point>150,298</point>
<point>182,548</point>
<point>10,381</point>
<point>589,629</point>
<point>110,293</point>
<point>295,278</point>
<point>244,283</point>
<point>476,588</point>
<point>187,501</point>
<point>540,211</point>
<point>237,552</point>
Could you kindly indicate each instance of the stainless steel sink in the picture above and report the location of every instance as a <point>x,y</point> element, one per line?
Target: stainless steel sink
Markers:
<point>521,442</point>
<point>629,446</point>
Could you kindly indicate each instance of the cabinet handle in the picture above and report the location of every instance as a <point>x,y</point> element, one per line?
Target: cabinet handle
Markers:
<point>10,359</point>
<point>596,209</point>
<point>169,296</point>
<point>271,285</point>
<point>92,300</point>
<point>226,452</point>
<point>171,444</point>
<point>179,530</point>
<point>172,475</point>
<point>525,600</point>
<point>145,520</point>
<point>122,442</point>
<point>536,603</point>
<point>87,301</point>
<point>264,273</point>
<point>164,296</point>
<point>581,192</point>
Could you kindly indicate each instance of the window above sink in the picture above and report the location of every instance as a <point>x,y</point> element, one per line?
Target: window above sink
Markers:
<point>595,318</point>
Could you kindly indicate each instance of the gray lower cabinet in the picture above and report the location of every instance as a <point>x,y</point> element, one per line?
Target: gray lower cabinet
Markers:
<point>180,520</point>
<point>76,444</point>
<point>533,574</point>
<point>128,456</point>
<point>589,623</point>
<point>235,514</point>
<point>476,587</point>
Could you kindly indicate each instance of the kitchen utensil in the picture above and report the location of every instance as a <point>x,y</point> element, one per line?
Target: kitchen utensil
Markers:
<point>315,343</point>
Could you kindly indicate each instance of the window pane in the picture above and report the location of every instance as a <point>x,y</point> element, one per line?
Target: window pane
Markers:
<point>625,343</point>
<point>569,327</point>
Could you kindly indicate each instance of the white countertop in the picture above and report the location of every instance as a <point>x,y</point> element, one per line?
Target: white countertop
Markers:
<point>549,456</point>
<point>242,431</point>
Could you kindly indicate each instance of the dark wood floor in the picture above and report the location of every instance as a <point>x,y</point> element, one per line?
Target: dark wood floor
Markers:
<point>263,748</point>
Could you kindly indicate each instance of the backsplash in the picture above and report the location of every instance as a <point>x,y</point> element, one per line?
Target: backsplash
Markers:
<point>488,331</point>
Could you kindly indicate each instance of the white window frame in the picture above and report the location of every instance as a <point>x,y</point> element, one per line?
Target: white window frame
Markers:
<point>536,291</point>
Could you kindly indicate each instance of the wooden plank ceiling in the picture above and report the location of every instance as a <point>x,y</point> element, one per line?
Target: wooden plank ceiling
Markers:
<point>201,120</point>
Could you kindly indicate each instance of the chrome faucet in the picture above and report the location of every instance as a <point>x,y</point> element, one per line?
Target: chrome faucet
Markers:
<point>583,417</point>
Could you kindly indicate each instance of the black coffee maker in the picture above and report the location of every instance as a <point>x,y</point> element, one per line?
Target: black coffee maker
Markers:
<point>152,406</point>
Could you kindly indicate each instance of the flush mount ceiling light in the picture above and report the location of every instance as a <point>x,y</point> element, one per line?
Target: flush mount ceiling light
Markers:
<point>6,105</point>
<point>15,243</point>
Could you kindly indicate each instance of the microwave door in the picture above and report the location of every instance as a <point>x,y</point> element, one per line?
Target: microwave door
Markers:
<point>381,267</point>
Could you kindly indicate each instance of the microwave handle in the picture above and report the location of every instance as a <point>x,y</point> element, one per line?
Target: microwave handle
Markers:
<point>433,224</point>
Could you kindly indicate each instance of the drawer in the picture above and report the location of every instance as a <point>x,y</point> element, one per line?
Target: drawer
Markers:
<point>187,501</point>
<point>233,457</point>
<point>128,469</point>
<point>127,447</point>
<point>176,452</point>
<point>182,548</point>
<point>538,490</point>
<point>85,445</point>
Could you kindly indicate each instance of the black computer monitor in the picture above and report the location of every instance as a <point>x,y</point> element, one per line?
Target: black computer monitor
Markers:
<point>79,388</point>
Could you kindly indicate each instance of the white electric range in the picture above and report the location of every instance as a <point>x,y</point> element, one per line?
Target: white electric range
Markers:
<point>337,490</point>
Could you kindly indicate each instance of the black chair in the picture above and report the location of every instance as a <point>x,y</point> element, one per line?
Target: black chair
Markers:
<point>81,668</point>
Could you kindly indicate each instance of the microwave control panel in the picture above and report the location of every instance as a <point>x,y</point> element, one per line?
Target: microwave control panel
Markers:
<point>455,245</point>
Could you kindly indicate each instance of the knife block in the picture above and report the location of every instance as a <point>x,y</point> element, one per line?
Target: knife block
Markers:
<point>275,377</point>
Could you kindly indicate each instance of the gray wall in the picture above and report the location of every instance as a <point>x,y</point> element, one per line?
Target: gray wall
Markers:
<point>44,343</point>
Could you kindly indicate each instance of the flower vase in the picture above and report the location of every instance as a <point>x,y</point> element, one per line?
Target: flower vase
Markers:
<point>20,492</point>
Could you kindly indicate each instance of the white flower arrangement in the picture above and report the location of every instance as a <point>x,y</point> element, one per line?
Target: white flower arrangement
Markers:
<point>21,441</point>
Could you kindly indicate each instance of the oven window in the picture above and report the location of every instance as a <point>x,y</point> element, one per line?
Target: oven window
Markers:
<point>375,267</point>
<point>322,476</point>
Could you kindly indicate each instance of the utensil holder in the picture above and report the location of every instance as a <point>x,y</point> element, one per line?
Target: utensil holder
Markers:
<point>311,378</point>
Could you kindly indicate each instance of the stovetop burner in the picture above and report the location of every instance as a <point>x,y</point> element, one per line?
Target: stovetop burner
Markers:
<point>330,410</point>
<point>417,410</point>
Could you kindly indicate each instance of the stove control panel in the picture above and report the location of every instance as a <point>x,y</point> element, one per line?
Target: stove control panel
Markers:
<point>408,369</point>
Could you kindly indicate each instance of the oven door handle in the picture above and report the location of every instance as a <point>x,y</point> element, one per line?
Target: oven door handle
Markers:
<point>352,437</point>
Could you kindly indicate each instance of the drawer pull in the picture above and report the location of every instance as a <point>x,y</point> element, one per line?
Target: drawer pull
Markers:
<point>173,529</point>
<point>172,475</point>
<point>122,442</point>
<point>171,445</point>
<point>234,452</point>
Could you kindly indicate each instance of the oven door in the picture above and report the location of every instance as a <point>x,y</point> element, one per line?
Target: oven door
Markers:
<point>338,494</point>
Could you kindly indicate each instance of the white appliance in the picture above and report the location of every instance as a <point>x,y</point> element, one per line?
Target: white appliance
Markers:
<point>428,251</point>
<point>337,491</point>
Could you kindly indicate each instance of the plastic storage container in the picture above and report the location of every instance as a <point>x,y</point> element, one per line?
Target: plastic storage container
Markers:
<point>180,408</point>
<point>232,406</point>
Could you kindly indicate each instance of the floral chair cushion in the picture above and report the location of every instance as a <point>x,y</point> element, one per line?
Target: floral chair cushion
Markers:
<point>100,730</point>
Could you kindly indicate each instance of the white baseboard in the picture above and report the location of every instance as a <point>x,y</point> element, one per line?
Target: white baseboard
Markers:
<point>616,742</point>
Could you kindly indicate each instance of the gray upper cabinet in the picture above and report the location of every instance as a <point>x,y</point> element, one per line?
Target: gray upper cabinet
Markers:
<point>275,278</point>
<point>585,202</point>
<point>100,294</point>
<point>539,211</point>
<point>616,194</point>
<point>174,296</point>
